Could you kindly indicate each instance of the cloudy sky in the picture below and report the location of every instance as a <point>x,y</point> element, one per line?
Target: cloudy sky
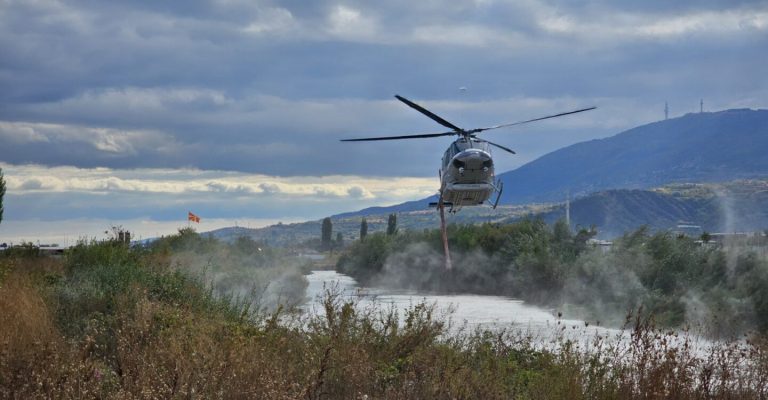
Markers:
<point>135,112</point>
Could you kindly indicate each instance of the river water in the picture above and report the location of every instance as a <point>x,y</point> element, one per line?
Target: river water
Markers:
<point>465,311</point>
<point>541,327</point>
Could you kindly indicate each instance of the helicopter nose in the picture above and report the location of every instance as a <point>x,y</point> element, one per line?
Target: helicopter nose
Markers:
<point>472,159</point>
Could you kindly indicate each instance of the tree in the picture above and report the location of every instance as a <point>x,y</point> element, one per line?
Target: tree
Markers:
<point>339,240</point>
<point>325,238</point>
<point>561,232</point>
<point>582,237</point>
<point>2,193</point>
<point>392,224</point>
<point>118,234</point>
<point>363,229</point>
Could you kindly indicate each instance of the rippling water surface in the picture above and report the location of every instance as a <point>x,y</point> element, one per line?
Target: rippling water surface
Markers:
<point>487,312</point>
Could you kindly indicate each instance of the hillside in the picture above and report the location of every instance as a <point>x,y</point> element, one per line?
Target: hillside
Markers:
<point>703,147</point>
<point>349,224</point>
<point>735,206</point>
<point>725,207</point>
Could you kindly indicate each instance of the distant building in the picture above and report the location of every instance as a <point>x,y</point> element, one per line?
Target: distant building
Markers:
<point>124,236</point>
<point>688,229</point>
<point>603,245</point>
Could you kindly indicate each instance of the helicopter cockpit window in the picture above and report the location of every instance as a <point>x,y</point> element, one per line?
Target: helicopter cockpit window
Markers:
<point>452,150</point>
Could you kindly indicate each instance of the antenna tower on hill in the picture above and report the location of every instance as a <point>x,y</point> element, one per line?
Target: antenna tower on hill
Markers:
<point>666,110</point>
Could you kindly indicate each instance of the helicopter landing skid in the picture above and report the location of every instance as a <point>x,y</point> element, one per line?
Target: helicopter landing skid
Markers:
<point>499,187</point>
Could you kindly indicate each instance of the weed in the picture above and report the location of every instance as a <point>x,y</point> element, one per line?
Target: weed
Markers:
<point>119,323</point>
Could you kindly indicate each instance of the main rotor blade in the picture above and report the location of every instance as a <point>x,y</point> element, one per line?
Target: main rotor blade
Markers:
<point>426,135</point>
<point>507,149</point>
<point>531,120</point>
<point>428,113</point>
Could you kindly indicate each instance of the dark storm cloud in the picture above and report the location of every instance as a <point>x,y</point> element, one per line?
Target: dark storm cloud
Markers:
<point>269,87</point>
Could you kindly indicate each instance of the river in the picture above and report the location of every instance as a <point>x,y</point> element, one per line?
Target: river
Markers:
<point>465,311</point>
<point>541,327</point>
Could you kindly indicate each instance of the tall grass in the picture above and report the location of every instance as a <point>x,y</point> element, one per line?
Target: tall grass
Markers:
<point>112,322</point>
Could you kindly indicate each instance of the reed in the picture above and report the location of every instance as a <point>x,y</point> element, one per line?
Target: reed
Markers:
<point>117,323</point>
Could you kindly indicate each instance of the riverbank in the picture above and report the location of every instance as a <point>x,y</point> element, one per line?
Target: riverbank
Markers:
<point>111,322</point>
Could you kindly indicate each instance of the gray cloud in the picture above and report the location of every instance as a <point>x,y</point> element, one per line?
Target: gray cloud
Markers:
<point>229,188</point>
<point>31,184</point>
<point>268,87</point>
<point>234,108</point>
<point>357,192</point>
<point>269,188</point>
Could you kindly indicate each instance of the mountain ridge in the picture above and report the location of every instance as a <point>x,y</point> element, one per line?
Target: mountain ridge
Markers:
<point>734,206</point>
<point>643,157</point>
<point>649,155</point>
<point>727,207</point>
<point>610,179</point>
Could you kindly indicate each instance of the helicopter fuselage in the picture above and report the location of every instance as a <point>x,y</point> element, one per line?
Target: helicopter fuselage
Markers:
<point>467,173</point>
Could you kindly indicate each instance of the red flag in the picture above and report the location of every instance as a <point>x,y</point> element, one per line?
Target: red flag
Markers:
<point>193,217</point>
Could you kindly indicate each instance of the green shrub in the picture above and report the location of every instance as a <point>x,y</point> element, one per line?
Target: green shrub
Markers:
<point>677,279</point>
<point>166,336</point>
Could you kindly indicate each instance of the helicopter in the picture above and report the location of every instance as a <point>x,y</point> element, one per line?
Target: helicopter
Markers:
<point>466,174</point>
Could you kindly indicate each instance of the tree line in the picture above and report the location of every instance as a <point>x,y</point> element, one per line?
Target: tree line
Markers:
<point>326,232</point>
<point>677,279</point>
